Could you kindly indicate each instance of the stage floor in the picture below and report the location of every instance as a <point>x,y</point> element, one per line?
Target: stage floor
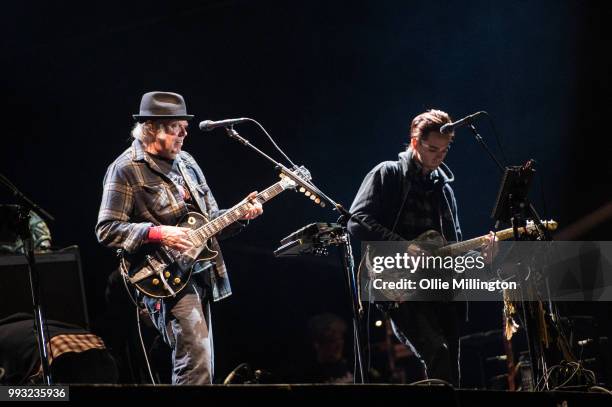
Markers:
<point>337,394</point>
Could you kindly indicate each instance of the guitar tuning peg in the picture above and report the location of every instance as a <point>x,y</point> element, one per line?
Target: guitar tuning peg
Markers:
<point>313,197</point>
<point>307,193</point>
<point>322,204</point>
<point>302,189</point>
<point>317,200</point>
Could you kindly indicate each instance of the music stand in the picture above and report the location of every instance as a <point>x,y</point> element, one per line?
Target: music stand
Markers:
<point>512,204</point>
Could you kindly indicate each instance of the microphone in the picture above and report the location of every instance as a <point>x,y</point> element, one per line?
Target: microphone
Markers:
<point>450,127</point>
<point>208,125</point>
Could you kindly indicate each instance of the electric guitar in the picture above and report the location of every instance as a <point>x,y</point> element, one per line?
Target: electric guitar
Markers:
<point>433,243</point>
<point>161,272</point>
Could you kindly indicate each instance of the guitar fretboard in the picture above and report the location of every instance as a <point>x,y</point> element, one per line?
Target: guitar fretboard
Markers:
<point>205,232</point>
<point>456,249</point>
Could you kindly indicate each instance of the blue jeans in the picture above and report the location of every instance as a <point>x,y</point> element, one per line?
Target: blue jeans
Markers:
<point>183,323</point>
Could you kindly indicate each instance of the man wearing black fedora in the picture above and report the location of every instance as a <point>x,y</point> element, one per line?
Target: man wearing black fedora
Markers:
<point>147,190</point>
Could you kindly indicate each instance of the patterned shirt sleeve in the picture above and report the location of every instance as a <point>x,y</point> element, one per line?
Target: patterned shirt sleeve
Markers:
<point>114,228</point>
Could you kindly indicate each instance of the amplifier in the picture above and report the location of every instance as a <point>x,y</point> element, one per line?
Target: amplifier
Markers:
<point>62,295</point>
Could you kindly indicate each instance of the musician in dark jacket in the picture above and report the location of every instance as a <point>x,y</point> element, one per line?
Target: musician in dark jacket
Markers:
<point>400,200</point>
<point>147,190</point>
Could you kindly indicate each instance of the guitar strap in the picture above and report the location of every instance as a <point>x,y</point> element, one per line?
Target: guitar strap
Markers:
<point>438,191</point>
<point>191,185</point>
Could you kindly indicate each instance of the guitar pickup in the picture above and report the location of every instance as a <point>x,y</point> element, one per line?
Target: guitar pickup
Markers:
<point>147,272</point>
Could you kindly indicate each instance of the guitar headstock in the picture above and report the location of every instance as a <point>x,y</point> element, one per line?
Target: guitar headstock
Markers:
<point>304,174</point>
<point>286,182</point>
<point>548,224</point>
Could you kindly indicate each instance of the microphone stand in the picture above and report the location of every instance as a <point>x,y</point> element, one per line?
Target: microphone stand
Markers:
<point>518,219</point>
<point>530,208</point>
<point>346,254</point>
<point>24,232</point>
<point>484,145</point>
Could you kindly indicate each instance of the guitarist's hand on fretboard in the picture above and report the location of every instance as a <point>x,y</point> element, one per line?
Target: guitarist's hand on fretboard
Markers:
<point>176,238</point>
<point>489,247</point>
<point>254,208</point>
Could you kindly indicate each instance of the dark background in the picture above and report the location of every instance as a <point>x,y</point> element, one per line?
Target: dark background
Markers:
<point>336,84</point>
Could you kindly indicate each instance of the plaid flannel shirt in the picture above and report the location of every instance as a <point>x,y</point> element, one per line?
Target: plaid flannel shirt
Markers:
<point>138,195</point>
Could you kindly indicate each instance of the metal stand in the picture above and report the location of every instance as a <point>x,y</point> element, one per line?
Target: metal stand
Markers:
<point>297,175</point>
<point>481,141</point>
<point>348,263</point>
<point>514,207</point>
<point>39,321</point>
<point>23,231</point>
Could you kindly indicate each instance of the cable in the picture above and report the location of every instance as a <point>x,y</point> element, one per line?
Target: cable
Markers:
<point>368,340</point>
<point>355,353</point>
<point>8,183</point>
<point>544,378</point>
<point>599,389</point>
<point>273,142</point>
<point>459,362</point>
<point>124,275</point>
<point>589,375</point>
<point>430,382</point>
<point>497,138</point>
<point>144,351</point>
<point>568,379</point>
<point>48,335</point>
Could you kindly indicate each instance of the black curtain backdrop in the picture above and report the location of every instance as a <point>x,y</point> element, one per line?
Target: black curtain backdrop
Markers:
<point>336,84</point>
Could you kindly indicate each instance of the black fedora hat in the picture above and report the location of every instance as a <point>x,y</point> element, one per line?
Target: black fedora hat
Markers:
<point>162,105</point>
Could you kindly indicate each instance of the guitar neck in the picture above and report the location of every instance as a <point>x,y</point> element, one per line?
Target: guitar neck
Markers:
<point>233,214</point>
<point>475,243</point>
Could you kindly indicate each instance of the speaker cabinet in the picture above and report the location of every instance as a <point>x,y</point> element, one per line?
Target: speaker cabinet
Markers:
<point>62,296</point>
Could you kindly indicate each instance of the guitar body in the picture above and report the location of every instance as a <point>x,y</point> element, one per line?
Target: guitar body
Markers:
<point>427,243</point>
<point>161,272</point>
<point>433,243</point>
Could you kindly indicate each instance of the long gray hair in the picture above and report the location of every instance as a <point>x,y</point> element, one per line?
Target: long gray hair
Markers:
<point>146,131</point>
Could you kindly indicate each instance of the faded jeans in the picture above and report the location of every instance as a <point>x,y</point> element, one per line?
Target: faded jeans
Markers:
<point>184,323</point>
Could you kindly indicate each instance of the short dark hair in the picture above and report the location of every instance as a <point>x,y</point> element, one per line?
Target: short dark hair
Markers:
<point>429,121</point>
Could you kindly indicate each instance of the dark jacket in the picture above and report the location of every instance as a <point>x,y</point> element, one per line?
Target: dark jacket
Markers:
<point>381,199</point>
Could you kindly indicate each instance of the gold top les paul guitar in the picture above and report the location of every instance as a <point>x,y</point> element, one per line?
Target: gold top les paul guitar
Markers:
<point>162,272</point>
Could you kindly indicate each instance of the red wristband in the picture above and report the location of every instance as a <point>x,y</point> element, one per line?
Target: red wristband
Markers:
<point>155,234</point>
